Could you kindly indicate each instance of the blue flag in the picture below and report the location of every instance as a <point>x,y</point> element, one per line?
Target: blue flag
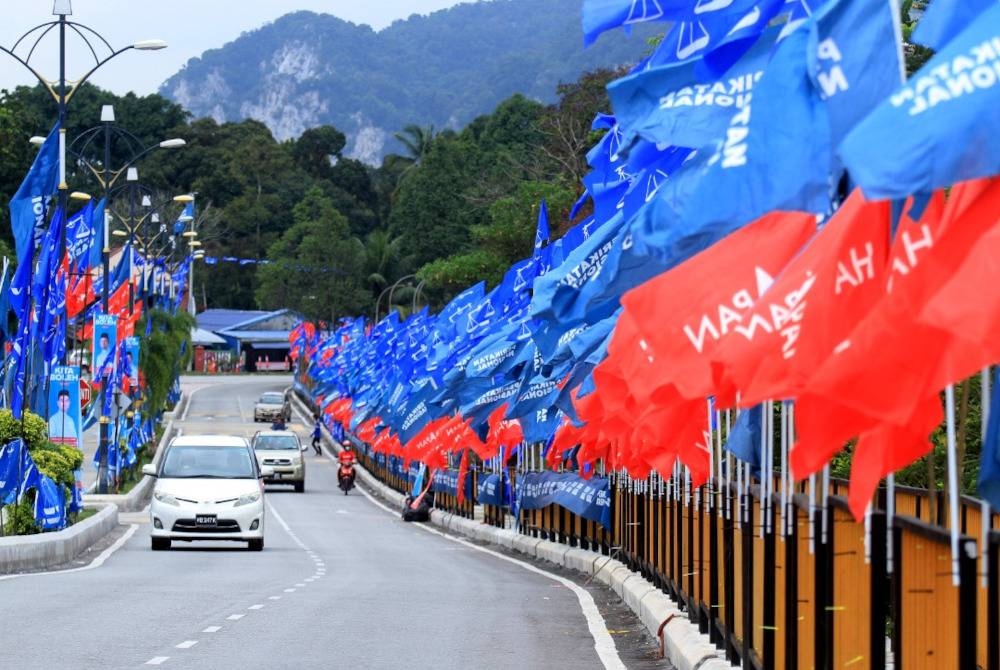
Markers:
<point>10,473</point>
<point>50,507</point>
<point>542,228</point>
<point>603,15</point>
<point>943,20</point>
<point>989,466</point>
<point>672,105</point>
<point>27,207</point>
<point>745,438</point>
<point>941,127</point>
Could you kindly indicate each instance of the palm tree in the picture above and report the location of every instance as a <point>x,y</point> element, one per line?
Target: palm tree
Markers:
<point>417,140</point>
<point>381,252</point>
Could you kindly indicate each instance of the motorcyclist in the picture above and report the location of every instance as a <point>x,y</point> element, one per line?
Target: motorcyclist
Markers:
<point>317,435</point>
<point>279,424</point>
<point>346,458</point>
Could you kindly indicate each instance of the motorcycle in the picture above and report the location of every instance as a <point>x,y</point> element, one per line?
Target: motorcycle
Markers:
<point>345,477</point>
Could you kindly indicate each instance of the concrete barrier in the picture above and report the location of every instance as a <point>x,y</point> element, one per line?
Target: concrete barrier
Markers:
<point>27,553</point>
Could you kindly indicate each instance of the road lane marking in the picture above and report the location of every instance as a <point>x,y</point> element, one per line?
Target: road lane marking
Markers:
<point>604,644</point>
<point>274,597</point>
<point>289,590</point>
<point>96,563</point>
<point>157,660</point>
<point>300,585</point>
<point>256,607</point>
<point>235,617</point>
<point>212,629</point>
<point>187,644</point>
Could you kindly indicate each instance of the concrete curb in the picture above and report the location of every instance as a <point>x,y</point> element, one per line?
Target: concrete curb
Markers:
<point>37,552</point>
<point>683,644</point>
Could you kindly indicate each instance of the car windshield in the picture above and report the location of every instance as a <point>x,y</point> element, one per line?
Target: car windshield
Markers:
<point>186,462</point>
<point>272,399</point>
<point>267,442</point>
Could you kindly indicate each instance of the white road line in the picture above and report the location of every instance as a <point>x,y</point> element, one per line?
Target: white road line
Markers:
<point>274,597</point>
<point>235,617</point>
<point>184,416</point>
<point>604,644</point>
<point>187,644</point>
<point>96,563</point>
<point>289,590</point>
<point>212,629</point>
<point>256,607</point>
<point>300,585</point>
<point>158,660</point>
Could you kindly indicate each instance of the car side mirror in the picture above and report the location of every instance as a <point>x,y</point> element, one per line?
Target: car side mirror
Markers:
<point>266,471</point>
<point>149,469</point>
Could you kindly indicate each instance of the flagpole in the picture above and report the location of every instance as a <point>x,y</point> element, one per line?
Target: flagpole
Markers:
<point>985,513</point>
<point>949,395</point>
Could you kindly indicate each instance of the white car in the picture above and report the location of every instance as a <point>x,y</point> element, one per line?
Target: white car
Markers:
<point>208,487</point>
<point>282,451</point>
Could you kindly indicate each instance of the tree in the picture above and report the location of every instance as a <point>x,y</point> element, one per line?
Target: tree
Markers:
<point>315,266</point>
<point>318,149</point>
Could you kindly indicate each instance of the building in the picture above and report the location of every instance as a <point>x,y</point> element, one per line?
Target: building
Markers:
<point>257,338</point>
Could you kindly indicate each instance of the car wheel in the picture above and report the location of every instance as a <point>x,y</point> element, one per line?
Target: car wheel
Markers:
<point>159,543</point>
<point>300,487</point>
<point>256,544</point>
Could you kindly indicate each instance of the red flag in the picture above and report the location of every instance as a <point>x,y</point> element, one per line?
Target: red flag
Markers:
<point>685,312</point>
<point>891,362</point>
<point>812,306</point>
<point>961,307</point>
<point>463,470</point>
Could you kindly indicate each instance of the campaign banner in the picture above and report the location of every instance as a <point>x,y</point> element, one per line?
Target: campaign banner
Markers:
<point>105,335</point>
<point>64,406</point>
<point>132,358</point>
<point>446,481</point>
<point>491,491</point>
<point>590,499</point>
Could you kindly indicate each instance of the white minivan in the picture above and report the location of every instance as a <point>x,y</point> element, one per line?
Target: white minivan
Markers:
<point>208,487</point>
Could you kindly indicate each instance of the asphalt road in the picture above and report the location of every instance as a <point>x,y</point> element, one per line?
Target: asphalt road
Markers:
<point>341,583</point>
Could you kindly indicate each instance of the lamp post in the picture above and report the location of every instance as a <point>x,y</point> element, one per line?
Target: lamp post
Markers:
<point>63,89</point>
<point>391,289</point>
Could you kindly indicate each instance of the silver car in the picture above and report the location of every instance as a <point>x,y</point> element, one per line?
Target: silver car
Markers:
<point>272,406</point>
<point>280,451</point>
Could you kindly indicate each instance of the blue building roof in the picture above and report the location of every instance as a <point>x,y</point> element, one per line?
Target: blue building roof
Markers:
<point>220,319</point>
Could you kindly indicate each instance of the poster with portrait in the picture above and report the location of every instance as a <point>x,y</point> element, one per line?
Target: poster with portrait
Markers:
<point>105,332</point>
<point>64,406</point>
<point>132,356</point>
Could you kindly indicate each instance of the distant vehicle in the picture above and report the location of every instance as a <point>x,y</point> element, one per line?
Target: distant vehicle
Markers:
<point>208,487</point>
<point>272,405</point>
<point>281,450</point>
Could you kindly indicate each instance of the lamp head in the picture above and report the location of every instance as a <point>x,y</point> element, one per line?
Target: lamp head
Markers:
<point>108,113</point>
<point>146,202</point>
<point>148,45</point>
<point>132,174</point>
<point>184,197</point>
<point>172,143</point>
<point>79,195</point>
<point>62,8</point>
<point>37,140</point>
<point>119,233</point>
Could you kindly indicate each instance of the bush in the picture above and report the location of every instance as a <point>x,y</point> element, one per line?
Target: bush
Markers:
<point>33,428</point>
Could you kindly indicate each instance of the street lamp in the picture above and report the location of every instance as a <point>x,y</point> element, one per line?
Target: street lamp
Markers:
<point>390,291</point>
<point>63,89</point>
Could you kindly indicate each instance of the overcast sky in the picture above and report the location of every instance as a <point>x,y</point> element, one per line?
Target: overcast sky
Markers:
<point>190,27</point>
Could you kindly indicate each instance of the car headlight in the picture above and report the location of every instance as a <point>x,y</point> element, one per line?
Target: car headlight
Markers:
<point>166,498</point>
<point>247,499</point>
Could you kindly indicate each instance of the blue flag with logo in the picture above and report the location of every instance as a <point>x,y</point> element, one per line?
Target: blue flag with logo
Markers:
<point>603,15</point>
<point>28,206</point>
<point>941,127</point>
<point>542,228</point>
<point>10,473</point>
<point>672,105</point>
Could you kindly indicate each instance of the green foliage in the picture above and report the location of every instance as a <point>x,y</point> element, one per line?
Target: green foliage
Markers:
<point>21,517</point>
<point>33,428</point>
<point>315,266</point>
<point>164,353</point>
<point>460,271</point>
<point>58,462</point>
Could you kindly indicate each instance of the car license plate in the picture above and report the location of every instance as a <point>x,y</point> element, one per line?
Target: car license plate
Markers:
<point>206,520</point>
